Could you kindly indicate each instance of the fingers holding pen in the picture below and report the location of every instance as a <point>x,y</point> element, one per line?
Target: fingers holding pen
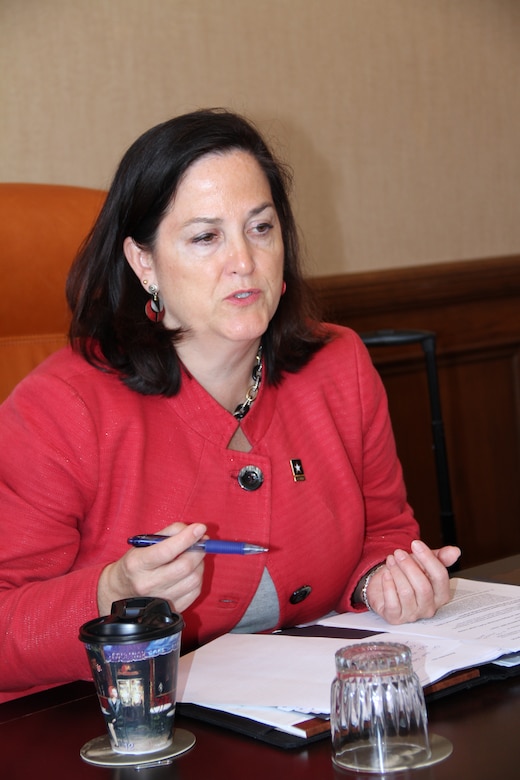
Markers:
<point>180,538</point>
<point>164,569</point>
<point>161,570</point>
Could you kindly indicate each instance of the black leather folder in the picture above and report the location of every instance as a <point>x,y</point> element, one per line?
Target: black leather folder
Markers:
<point>318,728</point>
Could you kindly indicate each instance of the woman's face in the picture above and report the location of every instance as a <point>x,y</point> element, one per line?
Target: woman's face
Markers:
<point>218,257</point>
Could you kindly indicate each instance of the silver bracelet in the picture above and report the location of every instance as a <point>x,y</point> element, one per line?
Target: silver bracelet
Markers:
<point>368,577</point>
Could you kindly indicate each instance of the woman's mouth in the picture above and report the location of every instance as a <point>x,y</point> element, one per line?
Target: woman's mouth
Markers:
<point>243,295</point>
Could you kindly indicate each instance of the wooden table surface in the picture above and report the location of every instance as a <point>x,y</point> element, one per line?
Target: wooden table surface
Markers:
<point>41,736</point>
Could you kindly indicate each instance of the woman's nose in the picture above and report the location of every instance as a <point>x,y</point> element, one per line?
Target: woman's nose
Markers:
<point>240,256</point>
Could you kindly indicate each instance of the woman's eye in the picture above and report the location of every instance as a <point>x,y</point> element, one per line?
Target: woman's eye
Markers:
<point>204,238</point>
<point>263,228</point>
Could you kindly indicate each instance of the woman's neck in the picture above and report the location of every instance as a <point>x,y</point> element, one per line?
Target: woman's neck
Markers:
<point>225,375</point>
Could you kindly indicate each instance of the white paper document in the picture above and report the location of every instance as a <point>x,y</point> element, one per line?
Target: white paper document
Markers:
<point>295,672</point>
<point>283,680</point>
<point>487,613</point>
<point>289,721</point>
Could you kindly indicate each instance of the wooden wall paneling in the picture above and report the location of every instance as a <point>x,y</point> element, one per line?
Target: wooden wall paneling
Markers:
<point>474,308</point>
<point>481,415</point>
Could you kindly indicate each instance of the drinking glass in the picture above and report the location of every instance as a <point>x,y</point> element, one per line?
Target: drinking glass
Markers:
<point>378,713</point>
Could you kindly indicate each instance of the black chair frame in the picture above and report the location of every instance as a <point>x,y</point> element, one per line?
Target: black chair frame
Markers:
<point>427,340</point>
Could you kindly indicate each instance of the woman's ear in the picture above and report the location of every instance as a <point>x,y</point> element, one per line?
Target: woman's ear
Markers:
<point>138,259</point>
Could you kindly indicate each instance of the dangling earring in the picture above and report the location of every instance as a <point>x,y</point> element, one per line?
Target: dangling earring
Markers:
<point>154,308</point>
<point>284,288</point>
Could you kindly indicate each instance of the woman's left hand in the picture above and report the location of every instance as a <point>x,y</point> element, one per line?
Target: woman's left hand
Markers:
<point>412,585</point>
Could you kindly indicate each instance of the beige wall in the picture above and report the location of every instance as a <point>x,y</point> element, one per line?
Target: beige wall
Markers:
<point>400,118</point>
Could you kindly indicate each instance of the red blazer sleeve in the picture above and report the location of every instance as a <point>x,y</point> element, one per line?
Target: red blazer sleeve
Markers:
<point>44,490</point>
<point>389,519</point>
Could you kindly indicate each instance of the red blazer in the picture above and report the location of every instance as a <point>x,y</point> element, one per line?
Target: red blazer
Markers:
<point>86,463</point>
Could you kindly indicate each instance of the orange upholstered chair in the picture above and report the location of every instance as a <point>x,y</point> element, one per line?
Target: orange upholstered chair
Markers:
<point>42,227</point>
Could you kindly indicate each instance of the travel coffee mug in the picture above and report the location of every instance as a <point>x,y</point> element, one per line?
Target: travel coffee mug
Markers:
<point>134,655</point>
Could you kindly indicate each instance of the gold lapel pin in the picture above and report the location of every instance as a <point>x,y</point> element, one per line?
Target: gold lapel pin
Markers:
<point>297,470</point>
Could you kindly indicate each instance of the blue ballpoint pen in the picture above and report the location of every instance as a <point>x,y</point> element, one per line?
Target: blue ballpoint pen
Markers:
<point>207,545</point>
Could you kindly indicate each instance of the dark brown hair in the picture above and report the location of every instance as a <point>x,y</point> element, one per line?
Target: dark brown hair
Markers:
<point>109,326</point>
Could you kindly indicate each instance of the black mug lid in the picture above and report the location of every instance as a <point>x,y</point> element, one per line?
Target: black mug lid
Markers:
<point>133,620</point>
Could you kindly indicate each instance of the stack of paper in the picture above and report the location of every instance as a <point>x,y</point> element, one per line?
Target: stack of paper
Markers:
<point>285,680</point>
<point>485,613</point>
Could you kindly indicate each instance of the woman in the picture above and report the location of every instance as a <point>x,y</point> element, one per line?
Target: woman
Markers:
<point>200,396</point>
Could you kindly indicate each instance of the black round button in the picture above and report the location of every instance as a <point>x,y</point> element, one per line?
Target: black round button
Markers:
<point>300,594</point>
<point>250,478</point>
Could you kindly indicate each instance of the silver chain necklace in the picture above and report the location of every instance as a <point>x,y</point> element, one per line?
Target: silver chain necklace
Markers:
<point>243,408</point>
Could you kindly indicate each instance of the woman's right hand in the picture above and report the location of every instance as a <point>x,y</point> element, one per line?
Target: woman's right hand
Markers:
<point>162,570</point>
